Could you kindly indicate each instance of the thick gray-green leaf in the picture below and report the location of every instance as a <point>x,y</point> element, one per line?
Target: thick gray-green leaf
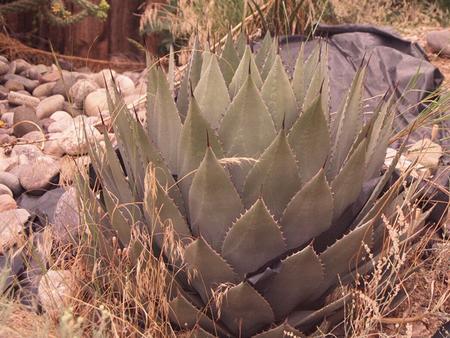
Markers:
<point>214,203</point>
<point>206,59</point>
<point>263,51</point>
<point>348,183</point>
<point>297,279</point>
<point>278,95</point>
<point>310,140</point>
<point>283,331</point>
<point>229,60</point>
<point>193,143</point>
<point>244,311</point>
<point>164,123</point>
<point>274,177</point>
<point>240,77</point>
<point>342,256</point>
<point>347,124</point>
<point>191,77</point>
<point>118,217</point>
<point>208,269</point>
<point>152,86</point>
<point>379,140</point>
<point>238,167</point>
<point>163,175</point>
<point>253,240</point>
<point>247,113</point>
<point>241,44</point>
<point>171,70</point>
<point>309,213</point>
<point>186,316</point>
<point>212,94</point>
<point>304,72</point>
<point>162,213</point>
<point>270,59</point>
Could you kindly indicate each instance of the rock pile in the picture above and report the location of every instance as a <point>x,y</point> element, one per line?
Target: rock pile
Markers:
<point>48,116</point>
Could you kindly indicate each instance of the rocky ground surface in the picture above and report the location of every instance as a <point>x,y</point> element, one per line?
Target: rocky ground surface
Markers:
<point>44,112</point>
<point>48,116</point>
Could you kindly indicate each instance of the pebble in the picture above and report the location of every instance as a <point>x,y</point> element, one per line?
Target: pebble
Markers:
<point>80,90</point>
<point>34,136</point>
<point>6,139</point>
<point>105,75</point>
<point>51,76</point>
<point>44,90</point>
<point>22,65</point>
<point>4,190</point>
<point>54,291</point>
<point>49,105</point>
<point>11,181</point>
<point>4,67</point>
<point>439,42</point>
<point>19,99</point>
<point>52,147</point>
<point>63,85</point>
<point>45,123</point>
<point>60,125</point>
<point>27,83</point>
<point>7,160</point>
<point>66,222</point>
<point>96,102</point>
<point>74,141</point>
<point>125,84</point>
<point>8,118</point>
<point>13,85</point>
<point>11,226</point>
<point>22,117</point>
<point>7,202</point>
<point>38,176</point>
<point>60,115</point>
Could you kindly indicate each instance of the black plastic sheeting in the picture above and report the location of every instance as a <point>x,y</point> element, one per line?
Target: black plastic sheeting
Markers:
<point>393,63</point>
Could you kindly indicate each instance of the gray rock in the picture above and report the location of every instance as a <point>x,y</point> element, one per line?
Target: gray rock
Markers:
<point>4,190</point>
<point>44,89</point>
<point>39,175</point>
<point>22,118</point>
<point>74,141</point>
<point>49,105</point>
<point>61,115</point>
<point>27,153</point>
<point>4,59</point>
<point>6,139</point>
<point>27,83</point>
<point>34,136</point>
<point>66,223</point>
<point>31,73</point>
<point>22,65</point>
<point>105,75</point>
<point>52,147</point>
<point>8,118</point>
<point>125,84</point>
<point>45,123</point>
<point>11,227</point>
<point>7,202</point>
<point>12,68</point>
<point>51,76</point>
<point>55,291</point>
<point>11,181</point>
<point>60,125</point>
<point>3,93</point>
<point>7,160</point>
<point>13,85</point>
<point>19,99</point>
<point>63,85</point>
<point>96,102</point>
<point>42,206</point>
<point>439,42</point>
<point>80,90</point>
<point>4,68</point>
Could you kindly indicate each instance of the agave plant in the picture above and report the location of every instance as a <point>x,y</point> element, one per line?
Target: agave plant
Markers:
<point>273,199</point>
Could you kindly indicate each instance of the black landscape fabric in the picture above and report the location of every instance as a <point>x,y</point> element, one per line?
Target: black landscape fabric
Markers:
<point>393,63</point>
